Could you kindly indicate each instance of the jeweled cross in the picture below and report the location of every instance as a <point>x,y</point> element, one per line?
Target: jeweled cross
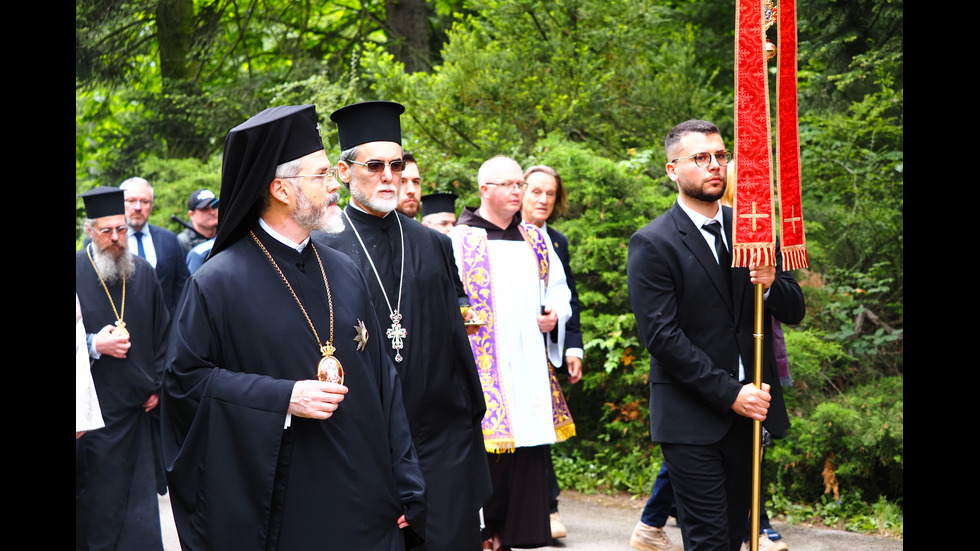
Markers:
<point>396,333</point>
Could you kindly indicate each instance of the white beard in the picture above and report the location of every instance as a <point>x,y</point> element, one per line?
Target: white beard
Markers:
<point>374,203</point>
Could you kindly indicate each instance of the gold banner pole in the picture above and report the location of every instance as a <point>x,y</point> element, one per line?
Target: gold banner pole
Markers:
<point>757,425</point>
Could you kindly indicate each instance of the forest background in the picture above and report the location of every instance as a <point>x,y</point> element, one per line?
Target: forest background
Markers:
<point>591,88</point>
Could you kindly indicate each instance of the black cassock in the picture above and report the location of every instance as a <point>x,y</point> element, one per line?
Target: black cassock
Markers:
<point>238,480</point>
<point>116,503</point>
<point>443,395</point>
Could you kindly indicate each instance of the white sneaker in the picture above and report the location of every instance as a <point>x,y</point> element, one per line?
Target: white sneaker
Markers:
<point>766,544</point>
<point>651,538</point>
<point>557,527</point>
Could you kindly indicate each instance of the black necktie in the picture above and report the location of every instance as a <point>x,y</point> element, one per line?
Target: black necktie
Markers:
<point>724,259</point>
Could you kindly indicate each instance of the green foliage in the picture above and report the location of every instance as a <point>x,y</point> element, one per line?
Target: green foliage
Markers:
<point>173,182</point>
<point>817,365</point>
<point>853,182</point>
<point>851,513</point>
<point>610,469</point>
<point>611,74</point>
<point>844,42</point>
<point>858,311</point>
<point>853,444</point>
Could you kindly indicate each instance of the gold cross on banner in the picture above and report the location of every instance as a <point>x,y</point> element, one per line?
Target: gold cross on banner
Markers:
<point>793,218</point>
<point>754,216</point>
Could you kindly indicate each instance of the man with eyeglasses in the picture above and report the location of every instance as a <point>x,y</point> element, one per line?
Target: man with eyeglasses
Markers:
<point>283,422</point>
<point>695,316</point>
<point>159,246</point>
<point>116,505</point>
<point>409,272</point>
<point>516,283</point>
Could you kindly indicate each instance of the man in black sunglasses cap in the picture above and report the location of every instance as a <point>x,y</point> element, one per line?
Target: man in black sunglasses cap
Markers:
<point>409,273</point>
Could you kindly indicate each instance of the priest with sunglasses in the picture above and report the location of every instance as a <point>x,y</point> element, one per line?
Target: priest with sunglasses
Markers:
<point>409,273</point>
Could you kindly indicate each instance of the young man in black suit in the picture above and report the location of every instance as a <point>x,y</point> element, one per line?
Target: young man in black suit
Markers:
<point>695,316</point>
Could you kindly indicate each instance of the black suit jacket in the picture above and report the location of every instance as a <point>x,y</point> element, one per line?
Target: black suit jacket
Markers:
<point>695,330</point>
<point>573,327</point>
<point>171,264</point>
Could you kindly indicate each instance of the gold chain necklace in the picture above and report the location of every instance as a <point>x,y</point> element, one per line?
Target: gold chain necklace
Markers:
<point>120,329</point>
<point>329,368</point>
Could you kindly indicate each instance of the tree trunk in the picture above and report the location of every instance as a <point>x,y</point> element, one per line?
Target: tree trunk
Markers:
<point>408,33</point>
<point>179,125</point>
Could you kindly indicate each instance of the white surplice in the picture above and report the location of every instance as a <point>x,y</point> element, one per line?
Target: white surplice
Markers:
<point>520,344</point>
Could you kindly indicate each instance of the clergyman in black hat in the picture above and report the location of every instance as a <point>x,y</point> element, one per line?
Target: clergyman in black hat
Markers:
<point>284,426</point>
<point>439,211</point>
<point>116,503</point>
<point>409,272</point>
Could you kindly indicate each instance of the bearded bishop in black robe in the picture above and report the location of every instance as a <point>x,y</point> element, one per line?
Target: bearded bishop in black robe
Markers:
<point>116,505</point>
<point>443,396</point>
<point>240,478</point>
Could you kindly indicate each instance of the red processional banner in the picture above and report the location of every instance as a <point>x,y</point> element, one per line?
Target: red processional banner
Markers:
<point>793,239</point>
<point>754,217</point>
<point>754,235</point>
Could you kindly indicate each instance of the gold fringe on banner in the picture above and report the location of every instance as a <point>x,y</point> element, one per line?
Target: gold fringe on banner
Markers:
<point>795,257</point>
<point>762,254</point>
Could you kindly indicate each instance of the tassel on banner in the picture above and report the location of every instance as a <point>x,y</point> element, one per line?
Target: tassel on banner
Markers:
<point>764,255</point>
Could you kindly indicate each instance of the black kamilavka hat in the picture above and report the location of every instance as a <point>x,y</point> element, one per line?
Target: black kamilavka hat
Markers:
<point>104,201</point>
<point>368,121</point>
<point>434,203</point>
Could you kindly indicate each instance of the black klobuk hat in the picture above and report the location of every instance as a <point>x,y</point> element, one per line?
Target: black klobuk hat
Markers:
<point>253,150</point>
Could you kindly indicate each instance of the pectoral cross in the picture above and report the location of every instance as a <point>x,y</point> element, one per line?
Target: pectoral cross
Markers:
<point>396,333</point>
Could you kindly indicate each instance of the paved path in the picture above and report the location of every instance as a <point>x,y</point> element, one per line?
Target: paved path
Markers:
<point>602,523</point>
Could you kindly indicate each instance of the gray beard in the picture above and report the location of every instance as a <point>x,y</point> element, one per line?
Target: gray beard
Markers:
<point>113,270</point>
<point>311,218</point>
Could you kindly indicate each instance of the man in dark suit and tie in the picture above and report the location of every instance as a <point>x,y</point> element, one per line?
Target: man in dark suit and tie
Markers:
<point>695,316</point>
<point>157,245</point>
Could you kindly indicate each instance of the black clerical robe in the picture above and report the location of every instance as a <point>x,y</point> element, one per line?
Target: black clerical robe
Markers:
<point>443,396</point>
<point>238,479</point>
<point>116,503</point>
